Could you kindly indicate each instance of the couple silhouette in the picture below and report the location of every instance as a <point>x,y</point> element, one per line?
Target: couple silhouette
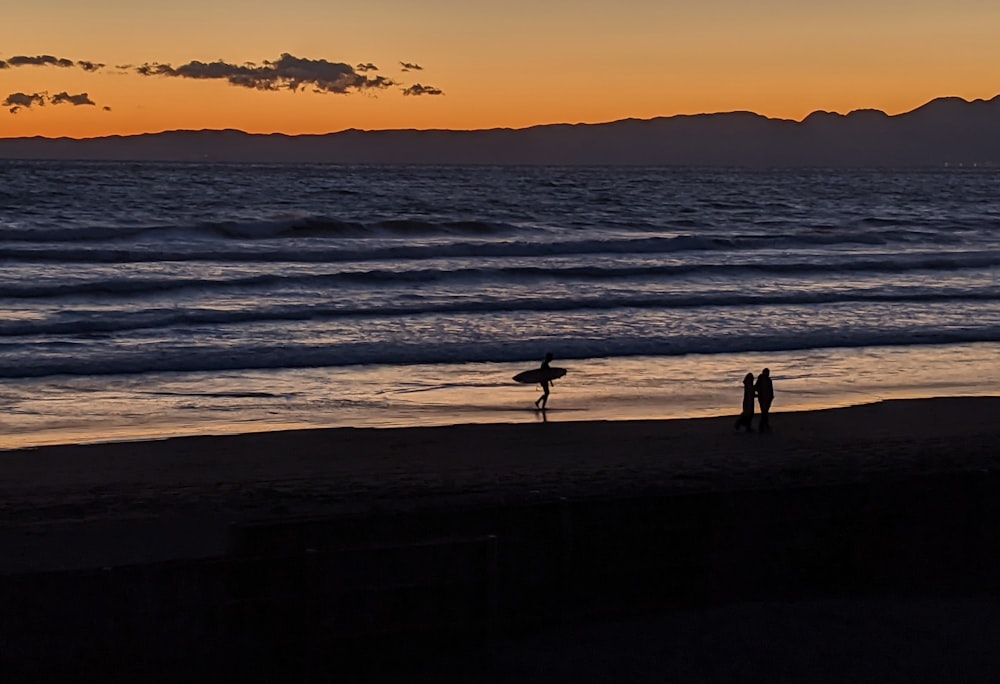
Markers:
<point>763,390</point>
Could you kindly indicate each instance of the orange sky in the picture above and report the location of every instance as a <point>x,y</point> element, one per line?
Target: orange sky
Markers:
<point>511,65</point>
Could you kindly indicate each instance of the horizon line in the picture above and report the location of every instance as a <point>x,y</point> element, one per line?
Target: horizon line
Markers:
<point>818,112</point>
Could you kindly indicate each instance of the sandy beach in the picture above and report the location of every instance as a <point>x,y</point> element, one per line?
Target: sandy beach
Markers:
<point>105,504</point>
<point>852,543</point>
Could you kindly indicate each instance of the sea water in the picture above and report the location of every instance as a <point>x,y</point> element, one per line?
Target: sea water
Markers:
<point>142,300</point>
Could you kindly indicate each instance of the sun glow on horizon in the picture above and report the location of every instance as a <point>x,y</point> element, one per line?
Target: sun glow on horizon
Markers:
<point>119,70</point>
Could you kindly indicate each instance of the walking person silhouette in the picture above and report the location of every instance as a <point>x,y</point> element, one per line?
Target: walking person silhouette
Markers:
<point>765,395</point>
<point>746,418</point>
<point>542,400</point>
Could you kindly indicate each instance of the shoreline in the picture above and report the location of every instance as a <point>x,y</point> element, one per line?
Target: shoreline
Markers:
<point>82,410</point>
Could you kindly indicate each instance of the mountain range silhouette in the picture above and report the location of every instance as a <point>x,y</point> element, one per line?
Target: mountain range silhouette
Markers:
<point>945,131</point>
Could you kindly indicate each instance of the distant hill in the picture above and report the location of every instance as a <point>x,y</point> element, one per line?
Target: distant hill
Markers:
<point>944,131</point>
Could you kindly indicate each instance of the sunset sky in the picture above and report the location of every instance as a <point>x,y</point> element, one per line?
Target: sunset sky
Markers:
<point>83,69</point>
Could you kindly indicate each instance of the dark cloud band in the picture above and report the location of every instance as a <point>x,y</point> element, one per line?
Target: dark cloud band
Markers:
<point>287,73</point>
<point>15,102</point>
<point>49,60</point>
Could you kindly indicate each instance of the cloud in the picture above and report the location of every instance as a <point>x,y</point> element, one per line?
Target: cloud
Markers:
<point>287,73</point>
<point>18,101</point>
<point>49,60</point>
<point>66,98</point>
<point>40,60</point>
<point>418,89</point>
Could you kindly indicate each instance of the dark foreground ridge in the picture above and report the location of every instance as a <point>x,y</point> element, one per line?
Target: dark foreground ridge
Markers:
<point>455,595</point>
<point>944,132</point>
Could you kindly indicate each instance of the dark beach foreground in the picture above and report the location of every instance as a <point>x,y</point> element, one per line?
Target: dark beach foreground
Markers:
<point>855,543</point>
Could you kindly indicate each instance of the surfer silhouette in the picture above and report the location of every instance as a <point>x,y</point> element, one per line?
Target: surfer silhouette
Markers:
<point>542,400</point>
<point>765,395</point>
<point>746,418</point>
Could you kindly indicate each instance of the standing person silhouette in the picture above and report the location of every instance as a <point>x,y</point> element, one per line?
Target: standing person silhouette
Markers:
<point>765,395</point>
<point>542,400</point>
<point>746,418</point>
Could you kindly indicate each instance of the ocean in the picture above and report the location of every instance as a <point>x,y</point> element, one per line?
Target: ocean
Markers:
<point>144,300</point>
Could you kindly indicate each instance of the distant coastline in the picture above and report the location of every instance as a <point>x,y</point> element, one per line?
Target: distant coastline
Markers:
<point>945,132</point>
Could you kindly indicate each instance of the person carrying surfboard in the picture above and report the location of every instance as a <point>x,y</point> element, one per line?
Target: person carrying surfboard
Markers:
<point>542,400</point>
<point>544,375</point>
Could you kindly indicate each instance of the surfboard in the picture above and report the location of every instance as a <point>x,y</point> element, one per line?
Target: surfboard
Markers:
<point>536,375</point>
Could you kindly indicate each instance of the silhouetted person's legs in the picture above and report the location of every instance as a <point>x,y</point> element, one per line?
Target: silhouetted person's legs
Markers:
<point>544,399</point>
<point>765,410</point>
